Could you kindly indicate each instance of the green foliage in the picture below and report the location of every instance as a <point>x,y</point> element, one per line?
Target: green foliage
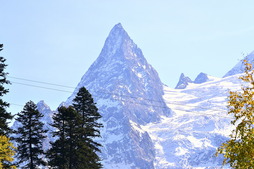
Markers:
<point>239,150</point>
<point>4,115</point>
<point>7,151</point>
<point>30,136</point>
<point>76,127</point>
<point>69,150</point>
<point>6,147</point>
<point>85,106</point>
<point>60,155</point>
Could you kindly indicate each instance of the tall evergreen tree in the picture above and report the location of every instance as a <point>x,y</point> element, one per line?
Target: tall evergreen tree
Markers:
<point>76,127</point>
<point>86,107</point>
<point>4,115</point>
<point>58,153</point>
<point>30,136</point>
<point>65,152</point>
<point>6,147</point>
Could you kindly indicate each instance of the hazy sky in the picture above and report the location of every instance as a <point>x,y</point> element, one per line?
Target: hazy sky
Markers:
<point>55,41</point>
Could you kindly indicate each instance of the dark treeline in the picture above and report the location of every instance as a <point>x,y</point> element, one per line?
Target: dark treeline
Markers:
<point>75,126</point>
<point>7,150</point>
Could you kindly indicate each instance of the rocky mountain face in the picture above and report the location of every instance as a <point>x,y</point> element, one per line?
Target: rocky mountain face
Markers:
<point>183,82</point>
<point>201,78</point>
<point>146,124</point>
<point>128,93</point>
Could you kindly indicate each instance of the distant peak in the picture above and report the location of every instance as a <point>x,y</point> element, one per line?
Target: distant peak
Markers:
<point>42,102</point>
<point>182,75</point>
<point>117,31</point>
<point>183,82</point>
<point>119,25</point>
<point>118,39</point>
<point>42,105</point>
<point>201,78</point>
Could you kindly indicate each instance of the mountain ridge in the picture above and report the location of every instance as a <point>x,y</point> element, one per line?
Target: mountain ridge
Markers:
<point>146,124</point>
<point>122,83</point>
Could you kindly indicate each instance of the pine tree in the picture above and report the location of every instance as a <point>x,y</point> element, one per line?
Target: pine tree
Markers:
<point>64,152</point>
<point>76,127</point>
<point>30,136</point>
<point>85,106</point>
<point>4,115</point>
<point>58,153</point>
<point>238,151</point>
<point>6,147</point>
<point>7,151</point>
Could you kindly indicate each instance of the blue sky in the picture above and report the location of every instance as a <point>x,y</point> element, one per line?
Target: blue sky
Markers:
<point>56,41</point>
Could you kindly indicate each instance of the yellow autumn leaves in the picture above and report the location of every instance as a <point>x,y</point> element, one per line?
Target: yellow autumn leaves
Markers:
<point>7,151</point>
<point>238,151</point>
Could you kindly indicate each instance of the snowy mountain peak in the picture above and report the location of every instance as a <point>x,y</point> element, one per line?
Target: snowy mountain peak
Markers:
<point>118,38</point>
<point>46,111</point>
<point>118,28</point>
<point>121,69</point>
<point>201,78</point>
<point>183,82</point>
<point>118,32</point>
<point>42,104</point>
<point>119,25</point>
<point>128,93</point>
<point>140,130</point>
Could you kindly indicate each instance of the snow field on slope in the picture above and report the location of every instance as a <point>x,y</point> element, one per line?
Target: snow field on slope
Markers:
<point>198,126</point>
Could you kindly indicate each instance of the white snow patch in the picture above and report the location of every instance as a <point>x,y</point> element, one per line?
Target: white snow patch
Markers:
<point>199,122</point>
<point>180,151</point>
<point>136,127</point>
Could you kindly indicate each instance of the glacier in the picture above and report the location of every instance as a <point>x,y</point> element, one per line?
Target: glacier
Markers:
<point>148,125</point>
<point>200,124</point>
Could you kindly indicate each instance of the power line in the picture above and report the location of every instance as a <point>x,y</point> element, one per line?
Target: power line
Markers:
<point>110,93</point>
<point>59,85</point>
<point>14,104</point>
<point>35,81</point>
<point>117,95</point>
<point>48,88</point>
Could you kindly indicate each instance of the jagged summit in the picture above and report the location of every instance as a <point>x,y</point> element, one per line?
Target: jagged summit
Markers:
<point>118,32</point>
<point>118,27</point>
<point>183,82</point>
<point>201,78</point>
<point>121,68</point>
<point>140,131</point>
<point>239,67</point>
<point>42,103</point>
<point>117,39</point>
<point>128,93</point>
